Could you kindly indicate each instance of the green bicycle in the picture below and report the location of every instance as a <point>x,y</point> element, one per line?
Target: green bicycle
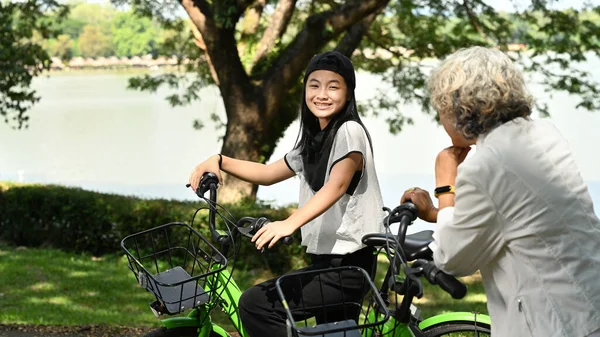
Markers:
<point>401,249</point>
<point>185,271</point>
<point>405,318</point>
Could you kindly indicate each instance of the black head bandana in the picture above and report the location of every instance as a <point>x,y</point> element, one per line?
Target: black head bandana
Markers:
<point>316,156</point>
<point>336,62</point>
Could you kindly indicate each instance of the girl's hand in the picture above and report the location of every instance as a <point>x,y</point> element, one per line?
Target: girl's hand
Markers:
<point>272,232</point>
<point>446,164</point>
<point>209,165</point>
<point>425,209</point>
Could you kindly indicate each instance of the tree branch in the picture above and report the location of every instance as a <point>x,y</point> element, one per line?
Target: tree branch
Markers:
<point>279,23</point>
<point>317,32</point>
<point>243,4</point>
<point>250,24</point>
<point>383,46</point>
<point>252,18</point>
<point>474,20</point>
<point>203,6</point>
<point>221,49</point>
<point>355,34</point>
<point>199,41</point>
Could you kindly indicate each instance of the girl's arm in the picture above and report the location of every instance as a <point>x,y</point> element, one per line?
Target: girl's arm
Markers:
<point>255,173</point>
<point>339,180</point>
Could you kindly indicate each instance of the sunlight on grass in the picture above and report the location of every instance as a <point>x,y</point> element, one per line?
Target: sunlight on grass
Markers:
<point>62,300</point>
<point>78,274</point>
<point>42,286</point>
<point>52,287</point>
<point>481,298</point>
<point>422,300</point>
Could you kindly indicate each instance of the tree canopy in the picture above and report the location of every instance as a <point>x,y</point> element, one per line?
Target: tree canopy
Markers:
<point>21,58</point>
<point>255,51</point>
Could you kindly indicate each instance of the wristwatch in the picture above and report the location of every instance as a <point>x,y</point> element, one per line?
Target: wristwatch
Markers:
<point>443,190</point>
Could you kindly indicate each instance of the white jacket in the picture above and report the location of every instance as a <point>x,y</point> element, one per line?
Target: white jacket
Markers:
<point>524,217</point>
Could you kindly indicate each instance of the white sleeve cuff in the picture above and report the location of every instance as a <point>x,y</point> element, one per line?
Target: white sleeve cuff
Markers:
<point>444,217</point>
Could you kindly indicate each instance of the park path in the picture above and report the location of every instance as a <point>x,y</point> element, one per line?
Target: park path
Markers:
<point>14,330</point>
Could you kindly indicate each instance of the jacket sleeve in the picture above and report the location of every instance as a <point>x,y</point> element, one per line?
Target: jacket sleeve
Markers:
<point>467,235</point>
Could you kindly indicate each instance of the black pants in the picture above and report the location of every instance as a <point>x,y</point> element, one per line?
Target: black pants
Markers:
<point>262,312</point>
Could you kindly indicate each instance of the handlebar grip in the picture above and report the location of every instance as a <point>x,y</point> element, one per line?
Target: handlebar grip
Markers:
<point>260,222</point>
<point>406,211</point>
<point>248,226</point>
<point>449,283</point>
<point>208,179</point>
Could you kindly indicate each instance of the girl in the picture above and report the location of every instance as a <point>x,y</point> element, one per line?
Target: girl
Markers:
<point>340,200</point>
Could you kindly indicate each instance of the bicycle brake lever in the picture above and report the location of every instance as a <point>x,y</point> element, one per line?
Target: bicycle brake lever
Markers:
<point>246,231</point>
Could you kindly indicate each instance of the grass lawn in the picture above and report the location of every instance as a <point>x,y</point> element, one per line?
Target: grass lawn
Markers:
<point>51,287</point>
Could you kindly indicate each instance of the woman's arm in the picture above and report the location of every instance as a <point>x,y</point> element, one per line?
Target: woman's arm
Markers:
<point>468,235</point>
<point>339,180</point>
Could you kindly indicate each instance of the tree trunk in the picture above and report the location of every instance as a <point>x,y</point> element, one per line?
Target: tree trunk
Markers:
<point>251,136</point>
<point>241,141</point>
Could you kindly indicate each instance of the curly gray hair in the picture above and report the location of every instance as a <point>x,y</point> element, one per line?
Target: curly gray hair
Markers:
<point>480,88</point>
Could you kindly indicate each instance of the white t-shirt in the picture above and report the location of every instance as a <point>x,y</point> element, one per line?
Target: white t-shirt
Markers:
<point>340,229</point>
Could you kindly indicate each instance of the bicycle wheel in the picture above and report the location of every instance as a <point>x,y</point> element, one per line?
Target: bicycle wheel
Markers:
<point>177,332</point>
<point>459,329</point>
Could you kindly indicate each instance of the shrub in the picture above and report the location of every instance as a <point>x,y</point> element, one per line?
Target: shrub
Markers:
<point>74,219</point>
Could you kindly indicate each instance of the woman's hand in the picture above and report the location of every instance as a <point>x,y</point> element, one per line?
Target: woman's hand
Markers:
<point>209,165</point>
<point>425,209</point>
<point>272,232</point>
<point>446,164</point>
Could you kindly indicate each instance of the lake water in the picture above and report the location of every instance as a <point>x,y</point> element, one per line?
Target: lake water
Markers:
<point>89,131</point>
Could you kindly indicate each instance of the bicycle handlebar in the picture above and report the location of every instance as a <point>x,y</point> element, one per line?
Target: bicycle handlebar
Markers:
<point>210,182</point>
<point>405,214</point>
<point>249,226</point>
<point>246,226</point>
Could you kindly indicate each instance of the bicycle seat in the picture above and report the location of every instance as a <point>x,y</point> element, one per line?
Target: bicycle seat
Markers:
<point>416,246</point>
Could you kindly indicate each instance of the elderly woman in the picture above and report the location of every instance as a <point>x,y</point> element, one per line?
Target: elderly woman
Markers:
<point>517,209</point>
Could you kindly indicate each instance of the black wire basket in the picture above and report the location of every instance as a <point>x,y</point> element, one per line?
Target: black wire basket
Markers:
<point>176,264</point>
<point>319,302</point>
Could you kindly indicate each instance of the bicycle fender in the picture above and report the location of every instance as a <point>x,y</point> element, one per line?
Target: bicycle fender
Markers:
<point>179,322</point>
<point>455,317</point>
